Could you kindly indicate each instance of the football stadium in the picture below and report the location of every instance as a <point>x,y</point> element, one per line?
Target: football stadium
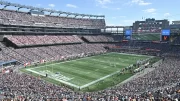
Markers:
<point>77,57</point>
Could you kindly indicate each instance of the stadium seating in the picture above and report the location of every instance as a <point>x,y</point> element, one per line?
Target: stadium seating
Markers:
<point>164,47</point>
<point>26,40</point>
<point>36,89</point>
<point>103,38</point>
<point>49,53</point>
<point>162,83</point>
<point>148,86</point>
<point>22,18</point>
<point>176,41</point>
<point>155,85</point>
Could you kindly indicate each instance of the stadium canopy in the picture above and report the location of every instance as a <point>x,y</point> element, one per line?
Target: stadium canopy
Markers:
<point>6,3</point>
<point>176,22</point>
<point>117,26</point>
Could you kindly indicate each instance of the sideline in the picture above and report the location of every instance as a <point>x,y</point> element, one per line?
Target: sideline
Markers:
<point>88,84</point>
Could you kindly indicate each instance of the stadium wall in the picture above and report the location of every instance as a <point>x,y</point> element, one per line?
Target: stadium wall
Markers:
<point>1,37</point>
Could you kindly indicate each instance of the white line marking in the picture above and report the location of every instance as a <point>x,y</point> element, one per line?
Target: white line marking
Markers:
<point>93,82</point>
<point>107,62</point>
<point>70,60</point>
<point>132,54</point>
<point>89,57</point>
<point>88,84</point>
<point>67,83</point>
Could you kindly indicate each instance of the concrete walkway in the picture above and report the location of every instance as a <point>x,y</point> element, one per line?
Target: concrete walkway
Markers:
<point>140,74</point>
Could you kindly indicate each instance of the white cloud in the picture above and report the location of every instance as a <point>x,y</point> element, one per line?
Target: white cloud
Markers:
<point>103,2</point>
<point>51,5</point>
<point>71,5</point>
<point>151,10</point>
<point>167,14</point>
<point>170,21</point>
<point>140,2</point>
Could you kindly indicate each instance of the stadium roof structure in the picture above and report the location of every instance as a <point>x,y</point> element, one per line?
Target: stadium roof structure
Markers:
<point>8,62</point>
<point>117,26</point>
<point>6,3</point>
<point>176,22</point>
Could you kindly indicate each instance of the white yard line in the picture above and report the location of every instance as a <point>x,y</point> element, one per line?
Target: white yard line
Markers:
<point>95,81</point>
<point>106,62</point>
<point>90,57</point>
<point>73,85</point>
<point>70,60</point>
<point>64,82</point>
<point>88,84</point>
<point>132,54</point>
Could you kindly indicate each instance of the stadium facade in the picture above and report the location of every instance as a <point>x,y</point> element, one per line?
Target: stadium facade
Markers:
<point>175,25</point>
<point>150,25</point>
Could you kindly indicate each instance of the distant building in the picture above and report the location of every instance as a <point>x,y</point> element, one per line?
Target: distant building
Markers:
<point>176,22</point>
<point>175,27</point>
<point>150,26</point>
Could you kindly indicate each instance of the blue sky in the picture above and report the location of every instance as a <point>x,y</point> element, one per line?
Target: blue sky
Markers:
<point>117,12</point>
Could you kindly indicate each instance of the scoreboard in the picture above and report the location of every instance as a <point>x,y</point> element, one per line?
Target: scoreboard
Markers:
<point>128,34</point>
<point>165,35</point>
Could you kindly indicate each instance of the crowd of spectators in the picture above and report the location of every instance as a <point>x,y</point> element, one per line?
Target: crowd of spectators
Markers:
<point>161,84</point>
<point>99,38</point>
<point>21,18</point>
<point>65,45</point>
<point>103,38</point>
<point>176,40</point>
<point>48,53</point>
<point>21,40</point>
<point>149,45</point>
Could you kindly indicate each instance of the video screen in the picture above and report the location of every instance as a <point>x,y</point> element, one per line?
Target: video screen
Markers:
<point>146,36</point>
<point>128,32</point>
<point>165,32</point>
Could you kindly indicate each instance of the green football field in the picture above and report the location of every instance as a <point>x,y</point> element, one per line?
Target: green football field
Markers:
<point>154,36</point>
<point>88,71</point>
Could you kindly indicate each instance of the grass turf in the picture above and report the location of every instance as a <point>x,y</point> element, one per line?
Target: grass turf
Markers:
<point>86,70</point>
<point>155,37</point>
